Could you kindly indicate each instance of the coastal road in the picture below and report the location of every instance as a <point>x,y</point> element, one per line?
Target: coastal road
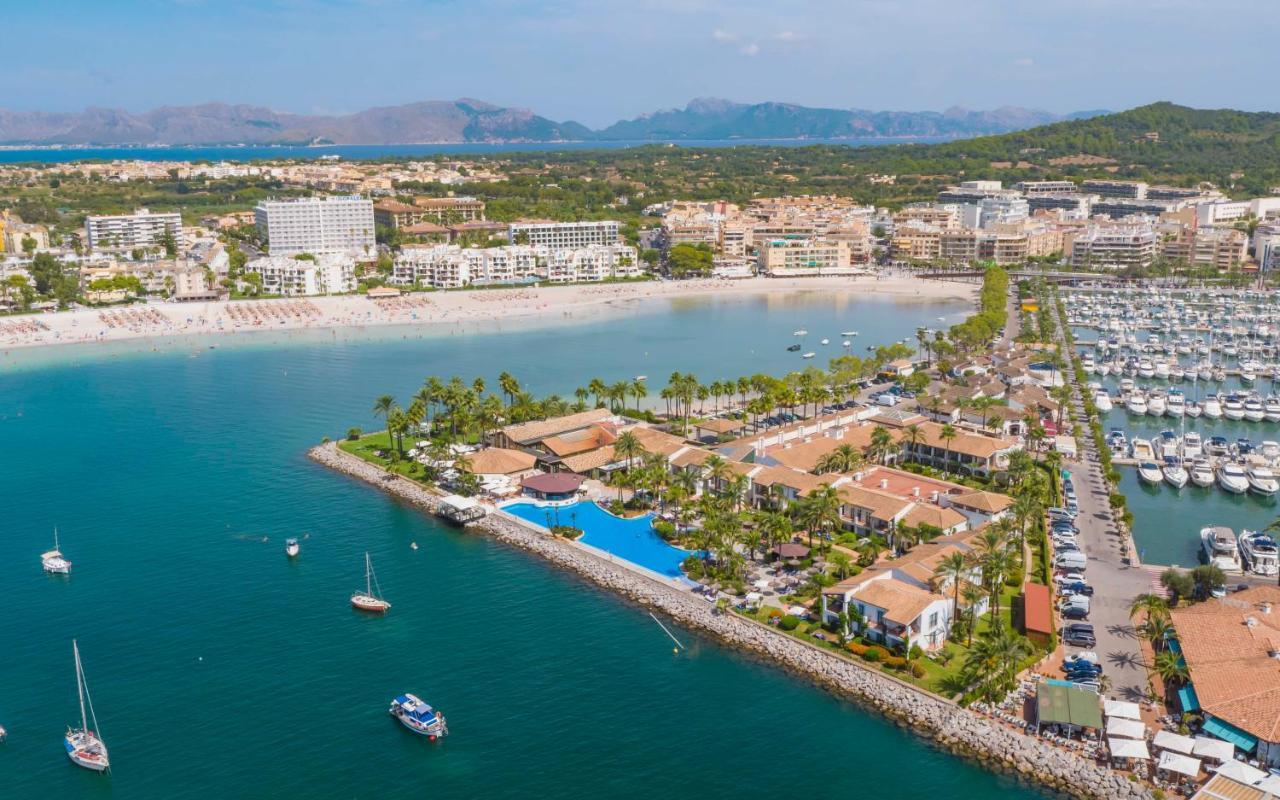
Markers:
<point>1115,582</point>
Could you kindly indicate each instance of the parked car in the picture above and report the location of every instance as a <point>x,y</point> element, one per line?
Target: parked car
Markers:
<point>1079,634</point>
<point>1068,578</point>
<point>1075,612</point>
<point>1079,587</point>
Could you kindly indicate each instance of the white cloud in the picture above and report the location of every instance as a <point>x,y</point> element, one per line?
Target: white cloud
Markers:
<point>788,36</point>
<point>750,49</point>
<point>724,36</point>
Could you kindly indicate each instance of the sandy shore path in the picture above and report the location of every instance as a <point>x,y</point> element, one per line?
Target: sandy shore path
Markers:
<point>433,308</point>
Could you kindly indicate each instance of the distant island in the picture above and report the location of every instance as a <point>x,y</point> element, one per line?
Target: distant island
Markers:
<point>468,120</point>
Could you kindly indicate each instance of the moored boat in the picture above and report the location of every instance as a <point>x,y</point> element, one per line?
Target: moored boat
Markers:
<point>1174,473</point>
<point>1262,481</point>
<point>1232,478</point>
<point>1202,473</point>
<point>1149,472</point>
<point>84,746</point>
<point>1221,548</point>
<point>53,561</point>
<point>371,598</point>
<point>291,547</point>
<point>1259,551</point>
<point>419,717</point>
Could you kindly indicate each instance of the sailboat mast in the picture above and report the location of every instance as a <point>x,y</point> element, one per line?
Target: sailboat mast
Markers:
<point>84,720</point>
<point>368,576</point>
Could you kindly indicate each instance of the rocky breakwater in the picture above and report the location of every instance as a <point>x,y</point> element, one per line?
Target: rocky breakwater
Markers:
<point>957,730</point>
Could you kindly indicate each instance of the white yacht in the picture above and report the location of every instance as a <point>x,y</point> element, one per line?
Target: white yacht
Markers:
<point>1162,370</point>
<point>1233,408</point>
<point>1174,473</point>
<point>1192,446</point>
<point>84,745</point>
<point>1254,410</point>
<point>1212,407</point>
<point>1176,405</point>
<point>1102,401</point>
<point>1149,472</point>
<point>1270,450</point>
<point>1136,404</point>
<point>1142,449</point>
<point>1202,473</point>
<point>1271,408</point>
<point>1146,369</point>
<point>1232,478</point>
<point>1194,409</point>
<point>1259,551</point>
<point>1156,405</point>
<point>53,561</point>
<point>1248,373</point>
<point>1262,481</point>
<point>1221,548</point>
<point>1126,385</point>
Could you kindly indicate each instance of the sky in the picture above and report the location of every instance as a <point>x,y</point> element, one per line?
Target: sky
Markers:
<point>597,61</point>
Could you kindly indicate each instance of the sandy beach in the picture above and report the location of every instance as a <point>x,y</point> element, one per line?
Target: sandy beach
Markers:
<point>152,320</point>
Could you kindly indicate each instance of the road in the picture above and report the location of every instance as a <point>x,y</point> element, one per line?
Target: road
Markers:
<point>1115,582</point>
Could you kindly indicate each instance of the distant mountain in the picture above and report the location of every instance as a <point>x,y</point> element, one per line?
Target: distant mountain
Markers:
<point>467,120</point>
<point>713,118</point>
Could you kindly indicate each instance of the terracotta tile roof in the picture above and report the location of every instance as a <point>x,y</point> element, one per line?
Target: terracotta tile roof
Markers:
<point>578,441</point>
<point>965,443</point>
<point>1227,644</point>
<point>882,506</point>
<point>802,482</point>
<point>501,461</point>
<point>658,442</point>
<point>691,456</point>
<point>942,518</point>
<point>585,462</point>
<point>805,455</point>
<point>902,603</point>
<point>540,429</point>
<point>990,502</point>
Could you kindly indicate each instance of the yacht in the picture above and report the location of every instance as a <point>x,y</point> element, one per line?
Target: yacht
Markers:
<point>1248,373</point>
<point>1233,408</point>
<point>801,332</point>
<point>53,561</point>
<point>419,717</point>
<point>1271,408</point>
<point>1262,481</point>
<point>1177,373</point>
<point>1102,401</point>
<point>1136,404</point>
<point>1126,385</point>
<point>1219,374</point>
<point>1174,473</point>
<point>84,747</point>
<point>291,547</point>
<point>1194,409</point>
<point>1162,370</point>
<point>1156,405</point>
<point>1202,473</point>
<point>1253,410</point>
<point>1259,552</point>
<point>1212,407</point>
<point>795,348</point>
<point>1149,472</point>
<point>371,598</point>
<point>1176,405</point>
<point>1146,369</point>
<point>810,354</point>
<point>1142,449</point>
<point>1269,449</point>
<point>1192,446</point>
<point>1204,371</point>
<point>1232,478</point>
<point>848,333</point>
<point>1220,548</point>
<point>825,341</point>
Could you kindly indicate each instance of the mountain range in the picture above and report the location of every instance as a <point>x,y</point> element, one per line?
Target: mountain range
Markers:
<point>468,120</point>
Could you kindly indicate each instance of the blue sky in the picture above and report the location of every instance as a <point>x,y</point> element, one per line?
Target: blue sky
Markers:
<point>599,60</point>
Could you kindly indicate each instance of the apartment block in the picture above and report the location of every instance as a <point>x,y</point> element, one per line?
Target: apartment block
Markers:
<point>454,267</point>
<point>802,257</point>
<point>563,234</point>
<point>327,274</point>
<point>1114,246</point>
<point>1136,190</point>
<point>1030,188</point>
<point>131,231</point>
<point>340,224</point>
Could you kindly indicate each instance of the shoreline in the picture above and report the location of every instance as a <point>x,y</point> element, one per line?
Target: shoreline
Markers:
<point>961,732</point>
<point>439,311</point>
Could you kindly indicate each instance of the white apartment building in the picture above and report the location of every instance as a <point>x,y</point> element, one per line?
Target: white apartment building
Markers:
<point>341,224</point>
<point>563,234</point>
<point>327,274</point>
<point>131,231</point>
<point>799,257</point>
<point>998,209</point>
<point>1046,187</point>
<point>1227,211</point>
<point>1117,246</point>
<point>1266,246</point>
<point>454,267</point>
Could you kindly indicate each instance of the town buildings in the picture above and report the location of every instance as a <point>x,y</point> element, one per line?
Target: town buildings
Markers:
<point>317,225</point>
<point>563,234</point>
<point>442,211</point>
<point>141,229</point>
<point>329,273</point>
<point>453,267</point>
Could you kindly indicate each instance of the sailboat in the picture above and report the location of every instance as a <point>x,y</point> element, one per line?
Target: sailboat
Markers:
<point>84,748</point>
<point>52,561</point>
<point>371,598</point>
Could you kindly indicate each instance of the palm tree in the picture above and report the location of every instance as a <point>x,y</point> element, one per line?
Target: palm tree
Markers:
<point>509,386</point>
<point>581,395</point>
<point>842,459</point>
<point>1150,606</point>
<point>384,406</point>
<point>947,435</point>
<point>1171,668</point>
<point>628,446</point>
<point>598,388</point>
<point>972,594</point>
<point>639,391</point>
<point>954,567</point>
<point>617,393</point>
<point>994,660</point>
<point>841,563</point>
<point>881,444</point>
<point>825,502</point>
<point>912,435</point>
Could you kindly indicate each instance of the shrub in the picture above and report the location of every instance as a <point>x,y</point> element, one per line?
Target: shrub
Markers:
<point>789,622</point>
<point>916,652</point>
<point>876,653</point>
<point>856,648</point>
<point>773,613</point>
<point>664,529</point>
<point>895,662</point>
<point>353,434</point>
<point>1014,578</point>
<point>617,508</point>
<point>918,670</point>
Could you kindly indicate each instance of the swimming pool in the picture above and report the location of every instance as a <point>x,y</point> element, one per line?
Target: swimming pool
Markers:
<point>629,539</point>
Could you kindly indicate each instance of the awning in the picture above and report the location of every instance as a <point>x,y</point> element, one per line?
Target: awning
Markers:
<point>1128,748</point>
<point>1271,783</point>
<point>1128,728</point>
<point>1230,733</point>
<point>1242,772</point>
<point>1187,698</point>
<point>1067,705</point>
<point>1214,749</point>
<point>1122,708</point>
<point>1183,765</point>
<point>1167,740</point>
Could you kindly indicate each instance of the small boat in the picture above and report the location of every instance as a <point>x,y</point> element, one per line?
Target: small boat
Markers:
<point>1232,408</point>
<point>1174,473</point>
<point>801,332</point>
<point>84,747</point>
<point>846,343</point>
<point>641,378</point>
<point>371,598</point>
<point>1259,551</point>
<point>1156,405</point>
<point>849,333</point>
<point>1136,404</point>
<point>291,547</point>
<point>1102,401</point>
<point>1194,409</point>
<point>419,717</point>
<point>1192,446</point>
<point>1254,410</point>
<point>1232,478</point>
<point>1212,407</point>
<point>1271,408</point>
<point>1149,472</point>
<point>1142,449</point>
<point>1262,481</point>
<point>1176,405</point>
<point>825,341</point>
<point>795,348</point>
<point>1221,548</point>
<point>1202,473</point>
<point>53,561</point>
<point>810,354</point>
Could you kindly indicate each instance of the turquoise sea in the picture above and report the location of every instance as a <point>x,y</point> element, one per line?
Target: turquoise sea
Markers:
<point>219,668</point>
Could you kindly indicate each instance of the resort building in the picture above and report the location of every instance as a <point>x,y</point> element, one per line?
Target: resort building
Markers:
<point>559,235</point>
<point>324,274</point>
<point>317,225</point>
<point>440,210</point>
<point>1114,246</point>
<point>453,267</point>
<point>804,257</point>
<point>141,229</point>
<point>1231,647</point>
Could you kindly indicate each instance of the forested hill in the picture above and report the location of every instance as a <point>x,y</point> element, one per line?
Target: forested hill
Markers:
<point>1236,150</point>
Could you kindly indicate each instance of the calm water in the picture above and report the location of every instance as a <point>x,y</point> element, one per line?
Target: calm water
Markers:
<point>382,151</point>
<point>221,669</point>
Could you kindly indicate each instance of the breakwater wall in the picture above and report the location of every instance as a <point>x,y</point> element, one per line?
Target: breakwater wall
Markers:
<point>962,732</point>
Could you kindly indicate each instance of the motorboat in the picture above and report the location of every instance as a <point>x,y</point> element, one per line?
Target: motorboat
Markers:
<point>1248,373</point>
<point>1259,552</point>
<point>1162,370</point>
<point>849,333</point>
<point>801,332</point>
<point>1233,408</point>
<point>1212,407</point>
<point>1202,473</point>
<point>1192,446</point>
<point>1221,548</point>
<point>419,717</point>
<point>1253,410</point>
<point>825,341</point>
<point>1269,449</point>
<point>371,598</point>
<point>808,355</point>
<point>1218,446</point>
<point>84,747</point>
<point>1232,478</point>
<point>1271,408</point>
<point>1177,373</point>
<point>53,561</point>
<point>1102,401</point>
<point>1176,404</point>
<point>1262,481</point>
<point>795,348</point>
<point>1156,405</point>
<point>1174,473</point>
<point>1127,385</point>
<point>291,547</point>
<point>1146,369</point>
<point>1142,450</point>
<point>1136,404</point>
<point>1149,472</point>
<point>1219,374</point>
<point>1194,409</point>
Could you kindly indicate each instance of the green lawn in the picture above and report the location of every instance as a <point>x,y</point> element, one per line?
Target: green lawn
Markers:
<point>367,448</point>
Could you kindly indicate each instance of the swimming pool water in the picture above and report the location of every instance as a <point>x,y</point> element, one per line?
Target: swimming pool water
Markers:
<point>630,539</point>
